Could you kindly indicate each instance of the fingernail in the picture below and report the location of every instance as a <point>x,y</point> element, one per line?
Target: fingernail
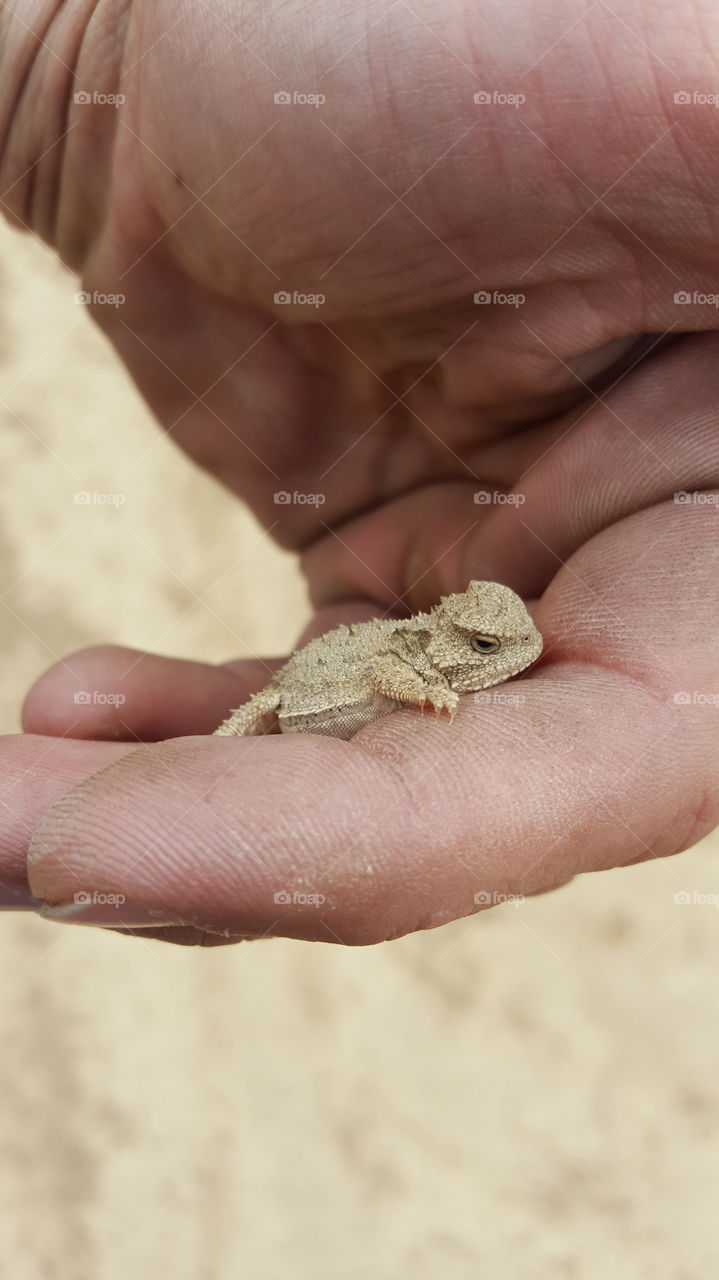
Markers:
<point>114,914</point>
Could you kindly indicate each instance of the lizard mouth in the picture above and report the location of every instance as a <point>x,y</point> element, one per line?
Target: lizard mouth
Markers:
<point>470,681</point>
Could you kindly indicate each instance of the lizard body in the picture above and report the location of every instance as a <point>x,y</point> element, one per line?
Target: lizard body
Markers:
<point>355,674</point>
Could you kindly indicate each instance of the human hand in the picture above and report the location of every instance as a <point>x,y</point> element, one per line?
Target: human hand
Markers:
<point>397,402</point>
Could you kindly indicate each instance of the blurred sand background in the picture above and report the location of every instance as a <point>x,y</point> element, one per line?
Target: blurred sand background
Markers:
<point>530,1093</point>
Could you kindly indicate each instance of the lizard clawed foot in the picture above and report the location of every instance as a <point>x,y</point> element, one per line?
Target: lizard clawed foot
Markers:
<point>443,700</point>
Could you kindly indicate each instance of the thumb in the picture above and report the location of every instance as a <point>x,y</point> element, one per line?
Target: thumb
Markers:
<point>224,835</point>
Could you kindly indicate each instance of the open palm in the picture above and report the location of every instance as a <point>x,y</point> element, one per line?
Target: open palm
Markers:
<point>484,372</point>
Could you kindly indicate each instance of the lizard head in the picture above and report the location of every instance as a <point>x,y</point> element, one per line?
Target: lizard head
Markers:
<point>482,636</point>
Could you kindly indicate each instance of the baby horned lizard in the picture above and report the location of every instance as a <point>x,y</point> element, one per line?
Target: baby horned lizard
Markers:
<point>353,675</point>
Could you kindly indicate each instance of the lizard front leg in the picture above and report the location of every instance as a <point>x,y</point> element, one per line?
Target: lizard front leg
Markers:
<point>391,676</point>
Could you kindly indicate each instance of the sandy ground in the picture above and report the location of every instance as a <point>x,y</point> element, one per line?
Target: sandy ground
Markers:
<point>531,1093</point>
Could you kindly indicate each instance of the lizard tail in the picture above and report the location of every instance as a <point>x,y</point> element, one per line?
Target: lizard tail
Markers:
<point>258,716</point>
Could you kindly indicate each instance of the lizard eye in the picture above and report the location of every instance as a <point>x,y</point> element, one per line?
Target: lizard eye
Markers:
<point>484,644</point>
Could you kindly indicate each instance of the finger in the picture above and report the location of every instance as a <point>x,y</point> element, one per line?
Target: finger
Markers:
<point>34,773</point>
<point>250,839</point>
<point>112,692</point>
<point>653,436</point>
<point>593,763</point>
<point>116,693</point>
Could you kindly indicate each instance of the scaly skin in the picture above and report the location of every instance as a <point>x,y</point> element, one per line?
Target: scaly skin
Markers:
<point>352,676</point>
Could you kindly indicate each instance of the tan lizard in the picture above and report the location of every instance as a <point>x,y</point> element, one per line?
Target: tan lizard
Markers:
<point>355,674</point>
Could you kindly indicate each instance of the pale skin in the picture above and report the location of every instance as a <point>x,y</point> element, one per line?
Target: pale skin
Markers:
<point>597,201</point>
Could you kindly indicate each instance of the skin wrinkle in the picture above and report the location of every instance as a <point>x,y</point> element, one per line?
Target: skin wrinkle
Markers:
<point>17,217</point>
<point>500,517</point>
<point>60,812</point>
<point>598,667</point>
<point>313,418</point>
<point>54,202</point>
<point>7,21</point>
<point>31,213</point>
<point>85,792</point>
<point>415,842</point>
